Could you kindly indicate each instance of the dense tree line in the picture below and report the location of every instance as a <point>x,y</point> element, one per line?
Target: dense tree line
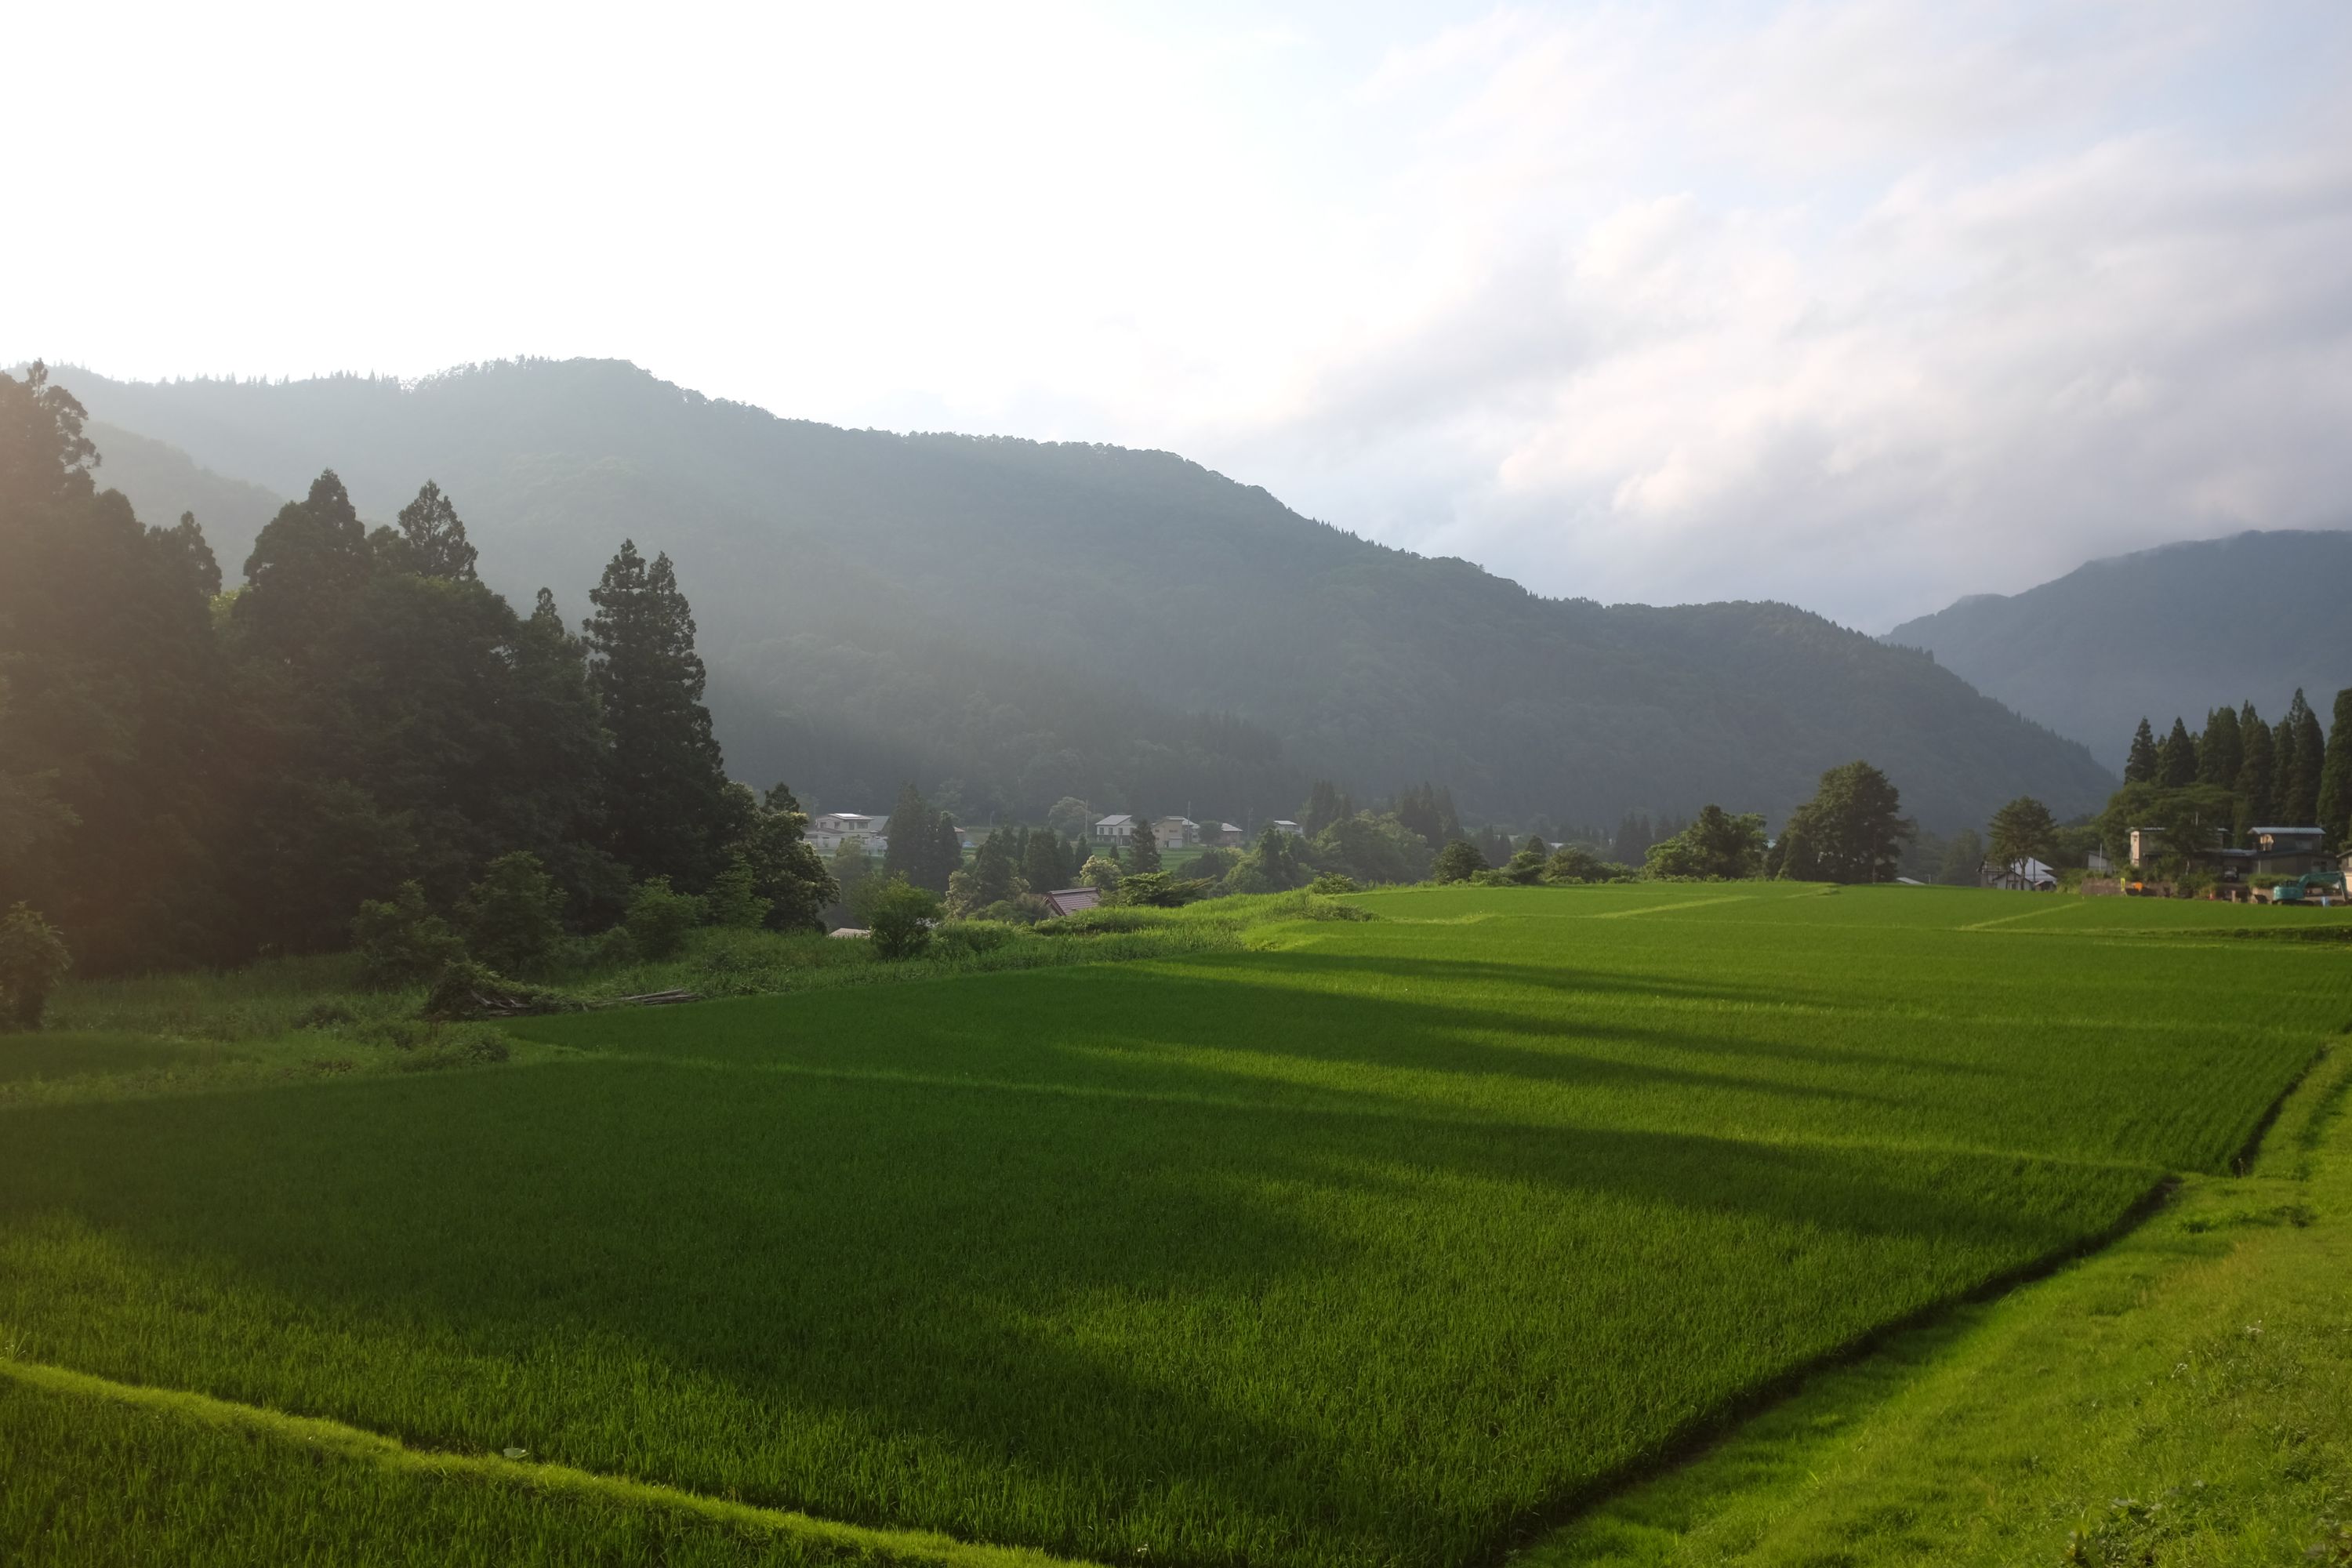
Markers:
<point>2238,772</point>
<point>189,775</point>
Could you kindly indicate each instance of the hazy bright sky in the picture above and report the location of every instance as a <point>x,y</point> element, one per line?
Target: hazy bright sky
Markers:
<point>1862,305</point>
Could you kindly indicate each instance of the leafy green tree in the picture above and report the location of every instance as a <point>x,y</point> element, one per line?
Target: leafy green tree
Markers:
<point>1458,862</point>
<point>33,959</point>
<point>851,867</point>
<point>1100,872</point>
<point>900,916</point>
<point>734,899</point>
<point>306,571</point>
<point>993,878</point>
<point>659,917</point>
<point>947,852</point>
<point>2186,821</point>
<point>1853,829</point>
<point>429,541</point>
<point>1325,806</point>
<point>1717,844</point>
<point>1143,849</point>
<point>1527,865</point>
<point>1574,862</point>
<point>2142,764</point>
<point>2023,828</point>
<point>789,878</point>
<point>1963,860</point>
<point>1373,849</point>
<point>666,809</point>
<point>401,942</point>
<point>1069,819</point>
<point>2334,805</point>
<point>2176,759</point>
<point>513,917</point>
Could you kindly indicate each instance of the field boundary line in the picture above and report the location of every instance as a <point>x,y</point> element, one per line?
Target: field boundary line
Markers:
<point>2010,920</point>
<point>358,1444</point>
<point>1678,904</point>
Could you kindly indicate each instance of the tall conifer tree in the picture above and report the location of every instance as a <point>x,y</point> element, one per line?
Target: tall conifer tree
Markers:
<point>2176,760</point>
<point>2258,774</point>
<point>2335,775</point>
<point>2142,765</point>
<point>2219,754</point>
<point>1143,849</point>
<point>666,783</point>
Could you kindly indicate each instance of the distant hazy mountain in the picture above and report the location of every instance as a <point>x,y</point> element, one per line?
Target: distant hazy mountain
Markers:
<point>162,481</point>
<point>2176,630</point>
<point>1034,620</point>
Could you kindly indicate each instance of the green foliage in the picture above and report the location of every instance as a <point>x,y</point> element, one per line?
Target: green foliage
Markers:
<point>464,989</point>
<point>1717,844</point>
<point>1142,848</point>
<point>901,915</point>
<point>2144,763</point>
<point>1962,863</point>
<point>2301,760</point>
<point>2334,805</point>
<point>1574,862</point>
<point>1160,889</point>
<point>1457,862</point>
<point>513,917</point>
<point>1099,871</point>
<point>2196,817</point>
<point>1326,805</point>
<point>734,898</point>
<point>33,959</point>
<point>1332,883</point>
<point>659,917</point>
<point>2176,759</point>
<point>2023,828</point>
<point>993,878</point>
<point>791,882</point>
<point>924,850</point>
<point>1373,850</point>
<point>1851,831</point>
<point>429,542</point>
<point>403,942</point>
<point>666,809</point>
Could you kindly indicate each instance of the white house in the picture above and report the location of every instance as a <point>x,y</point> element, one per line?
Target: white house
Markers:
<point>1115,831</point>
<point>827,829</point>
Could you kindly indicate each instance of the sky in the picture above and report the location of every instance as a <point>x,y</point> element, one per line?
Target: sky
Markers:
<point>1862,306</point>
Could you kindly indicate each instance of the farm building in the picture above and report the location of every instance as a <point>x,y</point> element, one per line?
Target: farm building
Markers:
<point>2290,851</point>
<point>1225,836</point>
<point>1070,901</point>
<point>2026,876</point>
<point>1286,826</point>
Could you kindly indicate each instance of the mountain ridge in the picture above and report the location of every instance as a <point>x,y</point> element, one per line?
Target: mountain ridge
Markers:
<point>2176,629</point>
<point>1154,633</point>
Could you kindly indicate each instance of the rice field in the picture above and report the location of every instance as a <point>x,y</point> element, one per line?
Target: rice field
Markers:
<point>1376,1242</point>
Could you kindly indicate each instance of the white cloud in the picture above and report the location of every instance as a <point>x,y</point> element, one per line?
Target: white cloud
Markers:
<point>1862,305</point>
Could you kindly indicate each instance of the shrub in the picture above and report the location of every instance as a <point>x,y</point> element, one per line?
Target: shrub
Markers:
<point>1332,882</point>
<point>1458,862</point>
<point>1574,863</point>
<point>900,916</point>
<point>735,899</point>
<point>464,990</point>
<point>659,918</point>
<point>961,939</point>
<point>1099,871</point>
<point>514,916</point>
<point>614,949</point>
<point>1158,890</point>
<point>403,943</point>
<point>32,957</point>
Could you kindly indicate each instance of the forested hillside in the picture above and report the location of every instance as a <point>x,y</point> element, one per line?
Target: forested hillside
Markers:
<point>2181,629</point>
<point>1026,621</point>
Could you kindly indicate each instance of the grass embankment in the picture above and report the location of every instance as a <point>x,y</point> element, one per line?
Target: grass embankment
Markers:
<point>293,1019</point>
<point>2184,1396</point>
<point>1372,1242</point>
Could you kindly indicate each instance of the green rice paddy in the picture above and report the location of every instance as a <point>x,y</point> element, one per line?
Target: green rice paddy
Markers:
<point>1380,1242</point>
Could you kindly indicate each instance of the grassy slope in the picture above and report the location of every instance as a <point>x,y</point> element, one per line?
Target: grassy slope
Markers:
<point>2184,1396</point>
<point>1368,1244</point>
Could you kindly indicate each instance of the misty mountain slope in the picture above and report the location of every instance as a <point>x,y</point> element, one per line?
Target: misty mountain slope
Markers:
<point>2176,630</point>
<point>1036,619</point>
<point>162,481</point>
